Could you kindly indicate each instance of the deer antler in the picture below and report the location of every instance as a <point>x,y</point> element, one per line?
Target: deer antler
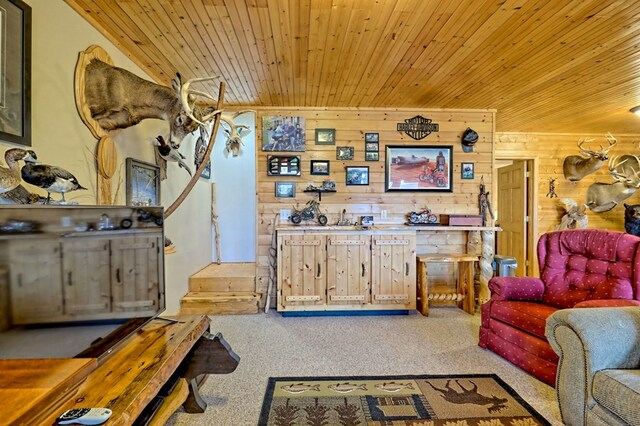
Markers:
<point>185,91</point>
<point>630,181</point>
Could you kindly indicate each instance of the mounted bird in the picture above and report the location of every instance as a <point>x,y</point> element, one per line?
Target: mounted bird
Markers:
<point>168,153</point>
<point>50,178</point>
<point>10,177</point>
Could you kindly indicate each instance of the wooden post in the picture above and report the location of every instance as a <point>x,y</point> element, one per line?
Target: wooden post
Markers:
<point>423,288</point>
<point>207,154</point>
<point>214,222</point>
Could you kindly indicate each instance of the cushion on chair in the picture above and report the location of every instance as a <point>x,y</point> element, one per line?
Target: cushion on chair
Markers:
<point>606,303</point>
<point>587,265</point>
<point>619,392</point>
<point>517,288</point>
<point>528,316</point>
<point>523,342</point>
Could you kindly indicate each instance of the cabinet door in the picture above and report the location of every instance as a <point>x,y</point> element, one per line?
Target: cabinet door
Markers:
<point>301,270</point>
<point>135,274</point>
<point>393,274</point>
<point>86,276</point>
<point>36,281</point>
<point>348,269</point>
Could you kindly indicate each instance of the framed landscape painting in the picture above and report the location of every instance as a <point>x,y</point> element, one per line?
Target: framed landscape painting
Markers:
<point>143,183</point>
<point>419,168</point>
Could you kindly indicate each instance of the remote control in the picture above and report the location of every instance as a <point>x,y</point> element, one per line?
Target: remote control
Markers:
<point>84,416</point>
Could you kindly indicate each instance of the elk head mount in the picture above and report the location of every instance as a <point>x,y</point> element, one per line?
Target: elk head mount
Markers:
<point>625,170</point>
<point>576,167</point>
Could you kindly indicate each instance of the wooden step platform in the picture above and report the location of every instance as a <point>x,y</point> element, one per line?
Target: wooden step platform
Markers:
<point>220,302</point>
<point>232,277</point>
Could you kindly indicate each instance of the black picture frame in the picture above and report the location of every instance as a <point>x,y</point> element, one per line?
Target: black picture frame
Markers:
<point>467,170</point>
<point>283,165</point>
<point>371,147</point>
<point>424,168</point>
<point>371,156</point>
<point>285,189</point>
<point>143,183</point>
<point>372,137</point>
<point>325,136</point>
<point>320,167</point>
<point>344,153</point>
<point>15,72</point>
<point>357,175</point>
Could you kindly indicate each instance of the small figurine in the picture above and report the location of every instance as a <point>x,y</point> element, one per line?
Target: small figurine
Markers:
<point>552,188</point>
<point>485,204</point>
<point>308,213</point>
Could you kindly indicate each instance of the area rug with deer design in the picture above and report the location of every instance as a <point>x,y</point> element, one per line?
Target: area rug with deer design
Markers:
<point>426,400</point>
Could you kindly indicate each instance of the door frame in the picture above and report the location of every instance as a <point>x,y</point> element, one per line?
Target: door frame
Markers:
<point>532,210</point>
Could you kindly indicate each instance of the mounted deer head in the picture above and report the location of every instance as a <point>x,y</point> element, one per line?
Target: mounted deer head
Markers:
<point>602,197</point>
<point>118,99</point>
<point>576,167</point>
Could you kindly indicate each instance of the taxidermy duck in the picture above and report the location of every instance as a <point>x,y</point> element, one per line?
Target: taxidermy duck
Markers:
<point>168,153</point>
<point>10,177</point>
<point>50,178</point>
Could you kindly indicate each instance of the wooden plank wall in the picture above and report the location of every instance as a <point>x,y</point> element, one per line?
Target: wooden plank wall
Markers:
<point>551,150</point>
<point>351,124</point>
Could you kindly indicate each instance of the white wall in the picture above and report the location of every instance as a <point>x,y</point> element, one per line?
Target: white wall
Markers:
<point>60,138</point>
<point>235,179</point>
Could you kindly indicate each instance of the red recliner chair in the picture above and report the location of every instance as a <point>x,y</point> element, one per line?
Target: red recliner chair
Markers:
<point>578,268</point>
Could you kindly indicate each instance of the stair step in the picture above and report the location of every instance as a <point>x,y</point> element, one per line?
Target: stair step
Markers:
<point>232,277</point>
<point>220,303</point>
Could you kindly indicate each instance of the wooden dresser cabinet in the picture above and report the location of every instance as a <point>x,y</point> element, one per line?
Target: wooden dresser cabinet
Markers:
<point>334,269</point>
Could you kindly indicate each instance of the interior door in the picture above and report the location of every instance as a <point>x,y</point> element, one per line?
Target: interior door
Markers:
<point>393,269</point>
<point>512,211</point>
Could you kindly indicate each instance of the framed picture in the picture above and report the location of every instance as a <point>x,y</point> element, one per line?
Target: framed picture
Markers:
<point>285,189</point>
<point>371,156</point>
<point>344,153</point>
<point>466,169</point>
<point>283,165</point>
<point>325,136</point>
<point>371,147</point>
<point>357,175</point>
<point>371,137</point>
<point>419,168</point>
<point>15,72</point>
<point>283,133</point>
<point>143,183</point>
<point>319,167</point>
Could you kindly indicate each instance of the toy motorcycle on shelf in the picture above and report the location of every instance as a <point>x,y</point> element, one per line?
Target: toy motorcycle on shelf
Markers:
<point>423,217</point>
<point>310,212</point>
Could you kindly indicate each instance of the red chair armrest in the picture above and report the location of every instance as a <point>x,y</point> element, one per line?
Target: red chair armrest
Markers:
<point>606,303</point>
<point>516,288</point>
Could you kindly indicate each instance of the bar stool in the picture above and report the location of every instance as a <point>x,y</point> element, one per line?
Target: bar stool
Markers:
<point>464,289</point>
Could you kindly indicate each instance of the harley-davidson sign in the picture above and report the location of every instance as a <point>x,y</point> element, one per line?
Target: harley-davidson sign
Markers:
<point>418,127</point>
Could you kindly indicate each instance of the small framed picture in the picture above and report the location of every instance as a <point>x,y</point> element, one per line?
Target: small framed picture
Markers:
<point>357,175</point>
<point>283,165</point>
<point>325,136</point>
<point>319,167</point>
<point>285,189</point>
<point>466,170</point>
<point>371,156</point>
<point>143,183</point>
<point>371,137</point>
<point>344,153</point>
<point>371,146</point>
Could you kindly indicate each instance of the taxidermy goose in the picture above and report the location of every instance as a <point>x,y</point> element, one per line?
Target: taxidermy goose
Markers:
<point>50,178</point>
<point>170,154</point>
<point>10,177</point>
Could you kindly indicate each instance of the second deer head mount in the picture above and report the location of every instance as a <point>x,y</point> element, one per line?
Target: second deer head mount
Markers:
<point>576,167</point>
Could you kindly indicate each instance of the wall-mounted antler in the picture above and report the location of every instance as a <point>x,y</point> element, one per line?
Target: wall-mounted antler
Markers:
<point>625,170</point>
<point>576,167</point>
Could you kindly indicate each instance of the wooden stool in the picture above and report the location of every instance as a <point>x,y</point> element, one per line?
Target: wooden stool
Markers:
<point>465,293</point>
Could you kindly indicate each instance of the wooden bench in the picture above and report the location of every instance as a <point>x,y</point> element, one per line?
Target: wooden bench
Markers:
<point>464,294</point>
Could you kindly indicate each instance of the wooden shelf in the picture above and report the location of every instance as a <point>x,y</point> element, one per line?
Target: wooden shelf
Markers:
<point>319,192</point>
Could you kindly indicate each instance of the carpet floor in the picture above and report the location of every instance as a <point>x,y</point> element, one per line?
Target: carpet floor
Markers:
<point>269,345</point>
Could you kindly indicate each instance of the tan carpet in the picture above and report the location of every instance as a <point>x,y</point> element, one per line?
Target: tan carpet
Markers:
<point>270,346</point>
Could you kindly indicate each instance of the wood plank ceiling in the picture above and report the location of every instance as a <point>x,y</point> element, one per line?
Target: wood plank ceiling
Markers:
<point>551,66</point>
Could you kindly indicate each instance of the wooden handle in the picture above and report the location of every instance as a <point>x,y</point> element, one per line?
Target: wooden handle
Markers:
<point>118,275</point>
<point>406,268</point>
<point>69,281</point>
<point>363,269</point>
<point>318,275</point>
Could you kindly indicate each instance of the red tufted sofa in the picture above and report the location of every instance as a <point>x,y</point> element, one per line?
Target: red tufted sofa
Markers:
<point>578,268</point>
